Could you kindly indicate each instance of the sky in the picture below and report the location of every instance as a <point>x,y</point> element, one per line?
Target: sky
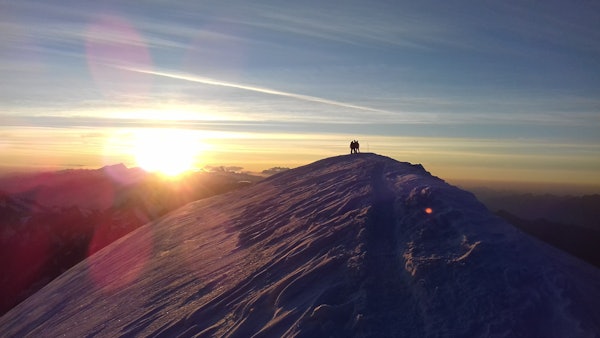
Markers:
<point>473,90</point>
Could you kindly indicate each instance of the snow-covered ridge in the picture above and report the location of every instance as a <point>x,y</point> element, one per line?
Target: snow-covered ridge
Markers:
<point>356,245</point>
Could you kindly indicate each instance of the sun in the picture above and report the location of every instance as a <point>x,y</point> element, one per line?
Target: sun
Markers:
<point>169,152</point>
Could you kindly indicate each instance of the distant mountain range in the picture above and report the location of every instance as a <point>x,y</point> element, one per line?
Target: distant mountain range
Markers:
<point>50,221</point>
<point>583,211</point>
<point>570,223</point>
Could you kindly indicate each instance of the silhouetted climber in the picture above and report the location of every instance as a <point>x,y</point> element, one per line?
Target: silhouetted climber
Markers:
<point>354,147</point>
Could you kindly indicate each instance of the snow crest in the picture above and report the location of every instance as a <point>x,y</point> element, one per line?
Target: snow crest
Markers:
<point>357,245</point>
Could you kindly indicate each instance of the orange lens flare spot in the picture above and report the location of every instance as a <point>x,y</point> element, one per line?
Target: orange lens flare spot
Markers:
<point>428,210</point>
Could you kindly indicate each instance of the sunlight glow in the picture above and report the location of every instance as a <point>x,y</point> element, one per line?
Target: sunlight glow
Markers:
<point>167,151</point>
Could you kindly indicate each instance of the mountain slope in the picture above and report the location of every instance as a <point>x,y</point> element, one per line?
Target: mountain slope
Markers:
<point>53,220</point>
<point>356,245</point>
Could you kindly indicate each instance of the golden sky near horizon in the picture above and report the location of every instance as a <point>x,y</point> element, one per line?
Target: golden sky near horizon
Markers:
<point>448,158</point>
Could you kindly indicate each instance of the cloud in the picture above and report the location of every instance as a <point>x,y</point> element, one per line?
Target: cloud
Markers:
<point>275,170</point>
<point>213,82</point>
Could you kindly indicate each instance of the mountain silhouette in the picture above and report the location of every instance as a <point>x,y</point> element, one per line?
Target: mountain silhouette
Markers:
<point>357,245</point>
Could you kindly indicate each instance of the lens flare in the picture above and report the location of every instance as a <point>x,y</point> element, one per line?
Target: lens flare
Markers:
<point>112,42</point>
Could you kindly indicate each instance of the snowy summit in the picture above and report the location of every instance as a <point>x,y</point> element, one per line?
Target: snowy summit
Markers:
<point>357,245</point>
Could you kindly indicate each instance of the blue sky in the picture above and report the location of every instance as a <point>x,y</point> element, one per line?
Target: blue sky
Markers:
<point>521,75</point>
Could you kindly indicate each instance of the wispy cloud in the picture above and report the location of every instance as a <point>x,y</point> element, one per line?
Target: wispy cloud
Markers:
<point>262,90</point>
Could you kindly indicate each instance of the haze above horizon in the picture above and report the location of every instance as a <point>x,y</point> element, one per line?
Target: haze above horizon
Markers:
<point>472,90</point>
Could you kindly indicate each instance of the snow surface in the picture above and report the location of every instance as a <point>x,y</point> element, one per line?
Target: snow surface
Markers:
<point>356,245</point>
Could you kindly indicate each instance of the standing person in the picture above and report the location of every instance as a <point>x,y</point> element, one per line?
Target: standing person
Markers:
<point>354,147</point>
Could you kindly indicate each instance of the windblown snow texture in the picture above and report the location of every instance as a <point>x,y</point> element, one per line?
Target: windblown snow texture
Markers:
<point>357,245</point>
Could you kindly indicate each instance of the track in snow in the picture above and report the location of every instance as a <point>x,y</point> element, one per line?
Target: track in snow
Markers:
<point>386,292</point>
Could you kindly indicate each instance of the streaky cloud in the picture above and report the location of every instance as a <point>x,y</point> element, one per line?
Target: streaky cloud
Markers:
<point>302,97</point>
